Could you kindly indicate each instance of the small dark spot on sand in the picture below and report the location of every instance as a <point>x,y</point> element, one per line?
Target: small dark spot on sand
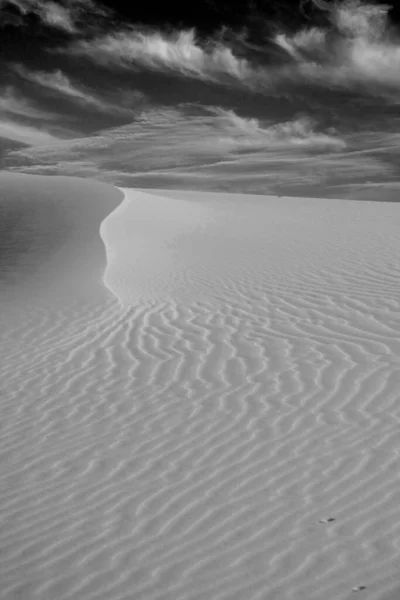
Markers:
<point>329,520</point>
<point>359,588</point>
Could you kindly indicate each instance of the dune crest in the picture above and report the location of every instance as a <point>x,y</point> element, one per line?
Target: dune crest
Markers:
<point>230,428</point>
<point>49,235</point>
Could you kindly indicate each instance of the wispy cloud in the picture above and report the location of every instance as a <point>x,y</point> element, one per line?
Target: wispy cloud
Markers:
<point>324,71</point>
<point>298,133</point>
<point>360,51</point>
<point>18,132</point>
<point>179,52</point>
<point>67,16</point>
<point>60,84</point>
<point>209,148</point>
<point>162,136</point>
<point>12,103</point>
<point>23,120</point>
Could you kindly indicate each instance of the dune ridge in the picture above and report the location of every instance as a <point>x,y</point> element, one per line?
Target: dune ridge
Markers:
<point>227,429</point>
<point>49,236</point>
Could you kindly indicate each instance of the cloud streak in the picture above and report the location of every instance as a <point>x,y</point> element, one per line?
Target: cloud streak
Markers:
<point>298,133</point>
<point>60,84</point>
<point>26,134</point>
<point>330,71</point>
<point>68,16</point>
<point>360,52</point>
<point>12,103</point>
<point>209,148</point>
<point>178,52</point>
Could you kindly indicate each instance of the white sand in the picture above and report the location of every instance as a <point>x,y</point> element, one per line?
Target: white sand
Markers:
<point>186,431</point>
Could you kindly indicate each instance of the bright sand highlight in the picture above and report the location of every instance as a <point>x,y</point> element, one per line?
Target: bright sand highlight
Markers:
<point>199,395</point>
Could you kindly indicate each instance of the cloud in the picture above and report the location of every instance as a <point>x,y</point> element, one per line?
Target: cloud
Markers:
<point>166,137</point>
<point>361,20</point>
<point>68,16</point>
<point>383,191</point>
<point>22,120</point>
<point>59,83</point>
<point>209,148</point>
<point>297,133</point>
<point>26,134</point>
<point>177,52</point>
<point>360,51</point>
<point>297,82</point>
<point>12,103</point>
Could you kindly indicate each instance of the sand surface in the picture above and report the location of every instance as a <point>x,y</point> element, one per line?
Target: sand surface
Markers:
<point>199,395</point>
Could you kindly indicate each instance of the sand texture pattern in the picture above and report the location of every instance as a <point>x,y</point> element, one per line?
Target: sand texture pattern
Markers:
<point>199,395</point>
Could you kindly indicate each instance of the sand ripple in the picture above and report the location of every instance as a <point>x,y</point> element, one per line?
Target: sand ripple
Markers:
<point>237,440</point>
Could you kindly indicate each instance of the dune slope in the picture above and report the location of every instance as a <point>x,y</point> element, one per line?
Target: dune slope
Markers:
<point>49,235</point>
<point>221,421</point>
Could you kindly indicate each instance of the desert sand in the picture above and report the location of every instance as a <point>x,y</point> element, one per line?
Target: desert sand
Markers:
<point>199,395</point>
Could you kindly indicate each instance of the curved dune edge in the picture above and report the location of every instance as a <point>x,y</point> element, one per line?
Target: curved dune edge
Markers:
<point>230,429</point>
<point>49,242</point>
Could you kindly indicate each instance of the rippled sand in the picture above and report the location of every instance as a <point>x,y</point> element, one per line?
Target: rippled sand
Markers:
<point>199,395</point>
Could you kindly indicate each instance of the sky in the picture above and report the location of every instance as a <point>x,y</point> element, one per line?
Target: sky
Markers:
<point>286,97</point>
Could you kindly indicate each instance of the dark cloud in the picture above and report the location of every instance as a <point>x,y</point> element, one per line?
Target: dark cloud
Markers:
<point>360,52</point>
<point>69,16</point>
<point>248,104</point>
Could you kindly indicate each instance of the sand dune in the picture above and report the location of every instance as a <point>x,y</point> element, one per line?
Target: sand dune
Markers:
<point>220,419</point>
<point>49,235</point>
